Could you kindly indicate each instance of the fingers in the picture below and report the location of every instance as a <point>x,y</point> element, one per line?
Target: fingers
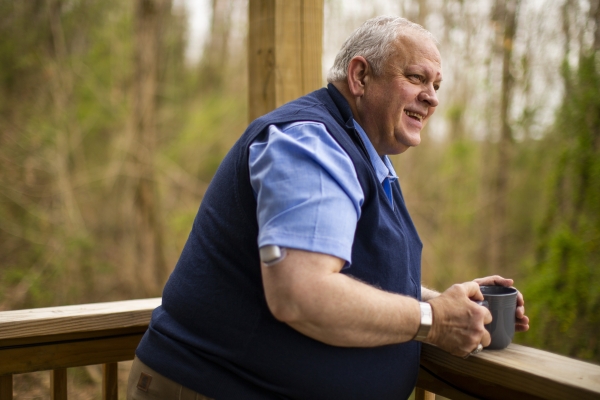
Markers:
<point>459,322</point>
<point>494,280</point>
<point>486,339</point>
<point>521,320</point>
<point>473,291</point>
<point>522,324</point>
<point>520,300</point>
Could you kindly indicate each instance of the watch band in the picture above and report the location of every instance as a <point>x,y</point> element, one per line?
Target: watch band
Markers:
<point>426,321</point>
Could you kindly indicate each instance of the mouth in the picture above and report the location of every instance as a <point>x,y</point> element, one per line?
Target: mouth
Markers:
<point>415,115</point>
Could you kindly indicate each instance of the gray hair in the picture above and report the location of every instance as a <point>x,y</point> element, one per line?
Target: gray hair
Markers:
<point>373,40</point>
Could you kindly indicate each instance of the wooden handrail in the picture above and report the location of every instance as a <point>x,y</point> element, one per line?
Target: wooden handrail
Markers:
<point>57,338</point>
<point>517,372</point>
<point>105,333</point>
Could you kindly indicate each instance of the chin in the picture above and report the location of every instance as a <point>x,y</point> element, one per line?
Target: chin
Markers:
<point>408,139</point>
<point>412,141</point>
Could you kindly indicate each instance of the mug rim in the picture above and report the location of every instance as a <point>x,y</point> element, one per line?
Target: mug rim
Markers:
<point>510,290</point>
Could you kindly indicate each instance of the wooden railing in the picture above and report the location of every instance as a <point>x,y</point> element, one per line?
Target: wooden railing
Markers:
<point>57,338</point>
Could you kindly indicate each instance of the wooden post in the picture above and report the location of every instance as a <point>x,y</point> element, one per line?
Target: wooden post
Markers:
<point>58,384</point>
<point>284,52</point>
<point>422,394</point>
<point>110,381</point>
<point>6,387</point>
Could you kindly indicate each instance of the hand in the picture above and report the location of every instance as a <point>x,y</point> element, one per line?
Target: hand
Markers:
<point>522,321</point>
<point>458,322</point>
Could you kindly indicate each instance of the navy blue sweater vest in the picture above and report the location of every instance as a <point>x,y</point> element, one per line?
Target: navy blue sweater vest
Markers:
<point>214,332</point>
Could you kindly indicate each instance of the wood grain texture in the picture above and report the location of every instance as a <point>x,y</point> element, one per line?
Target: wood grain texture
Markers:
<point>515,371</point>
<point>422,394</point>
<point>18,360</point>
<point>61,337</point>
<point>58,384</point>
<point>284,52</point>
<point>6,387</point>
<point>432,384</point>
<point>288,50</point>
<point>312,45</point>
<point>66,320</point>
<point>110,381</point>
<point>261,57</point>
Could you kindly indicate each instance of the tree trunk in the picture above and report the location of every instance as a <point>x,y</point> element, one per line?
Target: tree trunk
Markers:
<point>147,232</point>
<point>214,56</point>
<point>507,11</point>
<point>595,17</point>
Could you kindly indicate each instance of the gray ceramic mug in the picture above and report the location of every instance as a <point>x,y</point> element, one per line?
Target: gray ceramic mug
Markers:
<point>502,303</point>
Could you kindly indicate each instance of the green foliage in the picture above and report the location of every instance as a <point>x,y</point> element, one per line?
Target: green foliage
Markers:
<point>60,107</point>
<point>564,285</point>
<point>66,84</point>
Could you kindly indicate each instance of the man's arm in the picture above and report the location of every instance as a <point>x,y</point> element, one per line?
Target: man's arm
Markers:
<point>307,291</point>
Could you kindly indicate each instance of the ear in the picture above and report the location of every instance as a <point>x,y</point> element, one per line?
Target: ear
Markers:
<point>358,69</point>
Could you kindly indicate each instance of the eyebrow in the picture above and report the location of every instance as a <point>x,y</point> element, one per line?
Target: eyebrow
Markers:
<point>422,69</point>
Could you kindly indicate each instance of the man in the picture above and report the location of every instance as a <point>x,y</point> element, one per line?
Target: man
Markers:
<point>335,309</point>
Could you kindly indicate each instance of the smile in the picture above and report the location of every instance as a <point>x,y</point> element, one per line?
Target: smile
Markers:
<point>414,115</point>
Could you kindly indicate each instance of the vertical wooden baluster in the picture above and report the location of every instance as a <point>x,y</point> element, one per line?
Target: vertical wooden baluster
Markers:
<point>422,394</point>
<point>58,384</point>
<point>6,387</point>
<point>110,381</point>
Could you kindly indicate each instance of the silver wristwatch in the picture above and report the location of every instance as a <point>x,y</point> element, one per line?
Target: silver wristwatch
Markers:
<point>426,321</point>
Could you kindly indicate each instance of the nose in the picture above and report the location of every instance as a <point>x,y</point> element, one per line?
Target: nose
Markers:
<point>429,96</point>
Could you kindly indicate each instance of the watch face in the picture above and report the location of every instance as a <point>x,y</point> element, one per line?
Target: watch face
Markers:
<point>426,314</point>
<point>426,321</point>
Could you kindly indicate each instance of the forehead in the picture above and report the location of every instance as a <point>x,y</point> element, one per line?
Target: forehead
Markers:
<point>417,50</point>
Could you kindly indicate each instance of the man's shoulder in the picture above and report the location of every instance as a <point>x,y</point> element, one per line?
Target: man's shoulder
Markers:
<point>312,104</point>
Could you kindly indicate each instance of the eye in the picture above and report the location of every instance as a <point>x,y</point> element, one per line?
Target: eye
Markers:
<point>436,87</point>
<point>417,78</point>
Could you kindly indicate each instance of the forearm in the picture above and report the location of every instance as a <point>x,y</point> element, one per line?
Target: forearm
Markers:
<point>357,315</point>
<point>337,309</point>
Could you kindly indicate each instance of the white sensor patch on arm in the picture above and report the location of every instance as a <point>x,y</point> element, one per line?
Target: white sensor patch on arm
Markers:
<point>272,254</point>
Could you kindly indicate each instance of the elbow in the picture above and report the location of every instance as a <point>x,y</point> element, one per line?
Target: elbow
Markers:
<point>284,309</point>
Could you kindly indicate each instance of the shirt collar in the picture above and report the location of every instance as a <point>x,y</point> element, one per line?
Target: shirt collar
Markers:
<point>382,165</point>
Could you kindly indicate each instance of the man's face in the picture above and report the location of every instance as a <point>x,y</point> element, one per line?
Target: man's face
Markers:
<point>396,105</point>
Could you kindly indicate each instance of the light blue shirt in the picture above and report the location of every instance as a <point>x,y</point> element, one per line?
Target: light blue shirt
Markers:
<point>383,166</point>
<point>307,190</point>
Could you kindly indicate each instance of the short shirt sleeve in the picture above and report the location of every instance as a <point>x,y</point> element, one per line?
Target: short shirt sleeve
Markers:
<point>307,190</point>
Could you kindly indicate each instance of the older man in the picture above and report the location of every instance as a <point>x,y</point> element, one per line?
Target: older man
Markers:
<point>301,276</point>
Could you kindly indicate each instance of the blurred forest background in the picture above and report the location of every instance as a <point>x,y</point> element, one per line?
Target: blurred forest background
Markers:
<point>110,132</point>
